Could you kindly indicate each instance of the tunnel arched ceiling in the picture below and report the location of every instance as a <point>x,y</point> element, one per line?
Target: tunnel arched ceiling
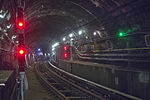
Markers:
<point>49,20</point>
<point>54,18</point>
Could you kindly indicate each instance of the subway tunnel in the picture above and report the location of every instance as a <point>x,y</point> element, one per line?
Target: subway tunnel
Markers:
<point>106,42</point>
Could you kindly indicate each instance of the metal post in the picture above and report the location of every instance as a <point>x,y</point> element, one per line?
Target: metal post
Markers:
<point>26,82</point>
<point>71,44</point>
<point>26,61</point>
<point>22,86</point>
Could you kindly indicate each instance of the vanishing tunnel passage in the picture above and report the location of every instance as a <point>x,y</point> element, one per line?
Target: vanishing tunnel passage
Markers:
<point>74,50</point>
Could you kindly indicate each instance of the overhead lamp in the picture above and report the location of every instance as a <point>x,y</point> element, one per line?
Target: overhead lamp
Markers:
<point>48,54</point>
<point>1,11</point>
<point>80,32</point>
<point>5,30</point>
<point>39,49</point>
<point>53,49</point>
<point>71,39</point>
<point>17,42</point>
<point>71,35</point>
<point>2,16</point>
<point>9,26</point>
<point>64,39</point>
<point>56,44</point>
<point>94,33</point>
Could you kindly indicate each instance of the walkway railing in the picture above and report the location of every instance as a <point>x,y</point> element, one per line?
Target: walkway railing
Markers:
<point>134,57</point>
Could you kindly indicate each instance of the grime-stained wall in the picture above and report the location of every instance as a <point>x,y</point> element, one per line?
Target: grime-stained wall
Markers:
<point>130,81</point>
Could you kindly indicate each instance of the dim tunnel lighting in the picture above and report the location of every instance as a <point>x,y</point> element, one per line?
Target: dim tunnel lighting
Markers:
<point>2,16</point>
<point>53,49</point>
<point>39,49</point>
<point>80,32</point>
<point>94,33</point>
<point>71,35</point>
<point>2,84</point>
<point>5,30</point>
<point>9,26</point>
<point>64,39</point>
<point>3,13</point>
<point>55,45</point>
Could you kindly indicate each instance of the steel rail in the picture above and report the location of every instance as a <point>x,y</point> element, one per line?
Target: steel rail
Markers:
<point>130,97</point>
<point>12,96</point>
<point>70,84</point>
<point>49,85</point>
<point>63,78</point>
<point>82,89</point>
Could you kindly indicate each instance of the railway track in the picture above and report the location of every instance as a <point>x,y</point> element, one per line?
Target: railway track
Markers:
<point>66,87</point>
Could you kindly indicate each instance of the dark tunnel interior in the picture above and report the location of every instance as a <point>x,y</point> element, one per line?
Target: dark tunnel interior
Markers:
<point>113,34</point>
<point>48,21</point>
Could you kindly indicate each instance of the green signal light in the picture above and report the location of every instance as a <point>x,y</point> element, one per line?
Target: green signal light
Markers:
<point>121,34</point>
<point>126,32</point>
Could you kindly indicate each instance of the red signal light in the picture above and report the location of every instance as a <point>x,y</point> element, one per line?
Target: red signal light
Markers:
<point>20,24</point>
<point>65,55</point>
<point>21,59</point>
<point>65,47</point>
<point>21,52</point>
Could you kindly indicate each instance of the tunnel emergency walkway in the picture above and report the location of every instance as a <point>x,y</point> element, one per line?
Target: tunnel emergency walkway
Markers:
<point>36,90</point>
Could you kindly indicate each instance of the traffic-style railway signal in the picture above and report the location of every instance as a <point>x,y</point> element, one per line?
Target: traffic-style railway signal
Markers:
<point>20,24</point>
<point>65,55</point>
<point>20,20</point>
<point>65,48</point>
<point>66,51</point>
<point>21,57</point>
<point>21,52</point>
<point>21,46</point>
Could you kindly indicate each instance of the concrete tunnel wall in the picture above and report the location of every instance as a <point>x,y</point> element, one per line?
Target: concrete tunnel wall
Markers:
<point>134,82</point>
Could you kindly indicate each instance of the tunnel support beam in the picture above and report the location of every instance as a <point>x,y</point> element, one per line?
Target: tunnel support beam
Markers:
<point>71,44</point>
